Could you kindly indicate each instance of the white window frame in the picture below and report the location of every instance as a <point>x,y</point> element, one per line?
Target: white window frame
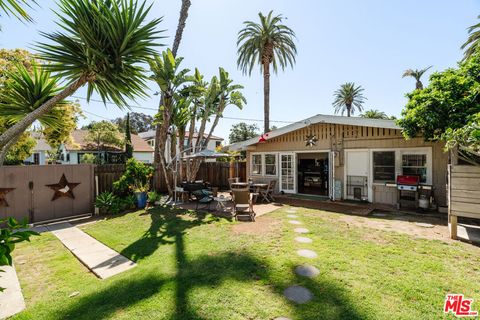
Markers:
<point>252,164</point>
<point>264,161</point>
<point>398,161</point>
<point>263,164</point>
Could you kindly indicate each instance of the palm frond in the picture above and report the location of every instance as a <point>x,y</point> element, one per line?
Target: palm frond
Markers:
<point>348,97</point>
<point>269,40</point>
<point>105,41</point>
<point>17,8</point>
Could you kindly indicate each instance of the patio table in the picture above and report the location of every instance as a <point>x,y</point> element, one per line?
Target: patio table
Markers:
<point>221,201</point>
<point>239,185</point>
<point>257,187</point>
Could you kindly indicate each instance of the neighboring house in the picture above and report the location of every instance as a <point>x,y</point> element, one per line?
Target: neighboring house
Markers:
<point>345,157</point>
<point>149,137</point>
<point>71,153</point>
<point>39,155</point>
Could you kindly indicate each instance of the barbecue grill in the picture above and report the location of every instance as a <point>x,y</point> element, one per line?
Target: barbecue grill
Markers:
<point>408,183</point>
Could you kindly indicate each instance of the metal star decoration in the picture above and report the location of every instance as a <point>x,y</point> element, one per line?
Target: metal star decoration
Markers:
<point>63,188</point>
<point>3,192</point>
<point>311,141</point>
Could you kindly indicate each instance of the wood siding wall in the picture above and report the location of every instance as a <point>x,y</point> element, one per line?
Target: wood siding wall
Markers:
<point>341,137</point>
<point>464,191</point>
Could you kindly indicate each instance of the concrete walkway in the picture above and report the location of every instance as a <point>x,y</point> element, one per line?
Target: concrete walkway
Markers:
<point>100,259</point>
<point>11,299</point>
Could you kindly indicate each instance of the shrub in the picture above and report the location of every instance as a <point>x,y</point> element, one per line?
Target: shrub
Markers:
<point>105,201</point>
<point>11,233</point>
<point>136,174</point>
<point>153,196</point>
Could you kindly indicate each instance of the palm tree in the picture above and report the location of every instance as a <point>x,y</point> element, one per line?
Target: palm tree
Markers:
<point>176,44</point>
<point>101,44</point>
<point>374,114</point>
<point>473,41</point>
<point>349,97</point>
<point>181,25</point>
<point>417,74</point>
<point>268,42</point>
<point>16,8</point>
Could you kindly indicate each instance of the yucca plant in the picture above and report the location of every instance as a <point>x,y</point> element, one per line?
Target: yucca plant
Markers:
<point>17,8</point>
<point>100,44</point>
<point>23,93</point>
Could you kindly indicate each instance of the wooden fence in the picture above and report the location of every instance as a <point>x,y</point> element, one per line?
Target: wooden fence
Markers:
<point>216,173</point>
<point>463,194</point>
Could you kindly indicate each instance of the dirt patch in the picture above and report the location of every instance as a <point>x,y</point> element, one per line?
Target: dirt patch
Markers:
<point>262,225</point>
<point>327,205</point>
<point>402,224</point>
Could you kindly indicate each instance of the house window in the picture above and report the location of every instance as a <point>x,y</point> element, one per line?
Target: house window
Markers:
<point>218,144</point>
<point>270,164</point>
<point>257,164</point>
<point>415,165</point>
<point>384,166</point>
<point>36,158</point>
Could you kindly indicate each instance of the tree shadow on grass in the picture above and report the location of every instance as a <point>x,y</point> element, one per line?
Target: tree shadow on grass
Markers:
<point>166,224</point>
<point>168,227</point>
<point>121,294</point>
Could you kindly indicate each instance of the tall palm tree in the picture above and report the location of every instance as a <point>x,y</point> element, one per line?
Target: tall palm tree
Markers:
<point>374,114</point>
<point>101,44</point>
<point>349,97</point>
<point>473,42</point>
<point>417,74</point>
<point>268,42</point>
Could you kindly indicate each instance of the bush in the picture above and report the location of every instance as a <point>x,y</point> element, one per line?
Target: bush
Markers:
<point>105,201</point>
<point>11,233</point>
<point>88,158</point>
<point>136,174</point>
<point>153,196</point>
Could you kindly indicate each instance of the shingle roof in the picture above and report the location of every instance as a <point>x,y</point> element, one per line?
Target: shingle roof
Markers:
<point>320,118</point>
<point>41,143</point>
<point>79,143</point>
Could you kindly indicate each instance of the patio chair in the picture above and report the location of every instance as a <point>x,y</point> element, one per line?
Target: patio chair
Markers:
<point>243,203</point>
<point>267,194</point>
<point>232,180</point>
<point>203,196</point>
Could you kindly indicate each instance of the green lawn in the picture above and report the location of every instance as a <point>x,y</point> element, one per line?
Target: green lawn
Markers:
<point>197,267</point>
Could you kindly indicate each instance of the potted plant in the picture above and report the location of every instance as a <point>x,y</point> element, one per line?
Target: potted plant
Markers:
<point>140,190</point>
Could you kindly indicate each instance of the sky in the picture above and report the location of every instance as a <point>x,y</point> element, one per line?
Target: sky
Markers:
<point>369,42</point>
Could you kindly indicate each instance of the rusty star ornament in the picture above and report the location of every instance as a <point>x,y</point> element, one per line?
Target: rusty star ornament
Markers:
<point>3,193</point>
<point>311,141</point>
<point>63,189</point>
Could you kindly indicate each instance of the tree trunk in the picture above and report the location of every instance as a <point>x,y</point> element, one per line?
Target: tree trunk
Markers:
<point>26,122</point>
<point>3,153</point>
<point>349,110</point>
<point>419,85</point>
<point>181,25</point>
<point>176,43</point>
<point>266,96</point>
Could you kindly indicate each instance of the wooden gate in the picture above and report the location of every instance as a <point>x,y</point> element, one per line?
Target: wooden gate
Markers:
<point>463,194</point>
<point>44,193</point>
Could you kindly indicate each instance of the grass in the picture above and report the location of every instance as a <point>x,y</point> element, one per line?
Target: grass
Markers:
<point>201,267</point>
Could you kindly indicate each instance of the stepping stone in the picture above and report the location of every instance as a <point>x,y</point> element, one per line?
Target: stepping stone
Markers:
<point>294,222</point>
<point>301,230</point>
<point>298,294</point>
<point>292,210</point>
<point>307,253</point>
<point>424,225</point>
<point>100,259</point>
<point>11,299</point>
<point>293,216</point>
<point>307,271</point>
<point>303,240</point>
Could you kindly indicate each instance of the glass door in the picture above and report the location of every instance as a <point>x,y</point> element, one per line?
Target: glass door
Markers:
<point>287,172</point>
